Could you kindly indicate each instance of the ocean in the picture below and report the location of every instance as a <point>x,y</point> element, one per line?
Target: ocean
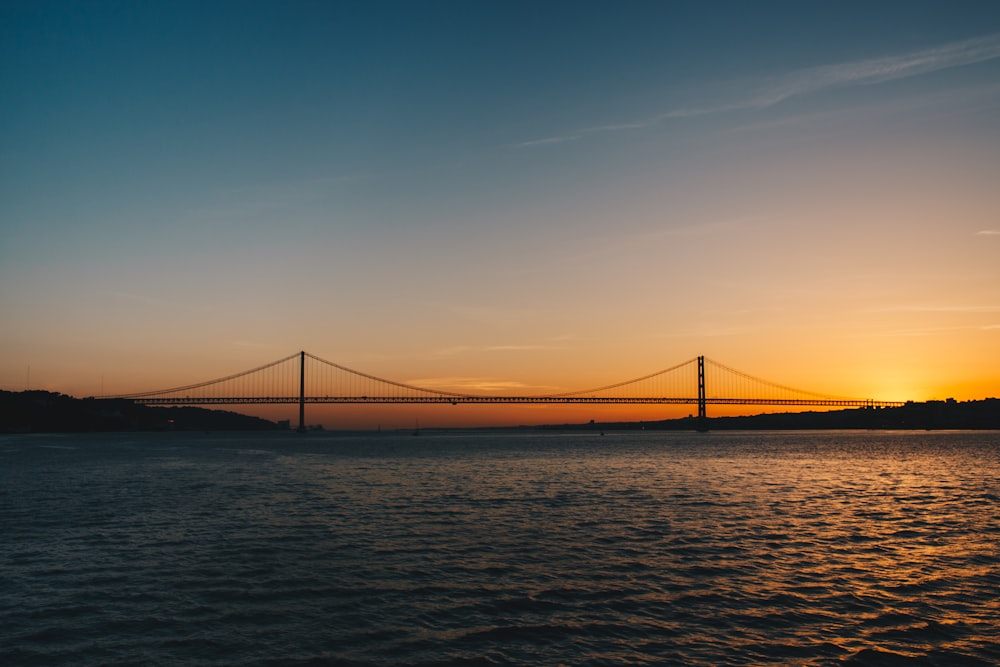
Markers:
<point>501,548</point>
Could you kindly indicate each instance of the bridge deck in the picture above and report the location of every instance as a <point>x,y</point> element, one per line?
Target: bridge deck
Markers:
<point>515,400</point>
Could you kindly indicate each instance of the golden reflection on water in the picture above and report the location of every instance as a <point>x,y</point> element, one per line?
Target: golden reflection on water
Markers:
<point>859,542</point>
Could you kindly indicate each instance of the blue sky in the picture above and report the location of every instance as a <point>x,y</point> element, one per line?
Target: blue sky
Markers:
<point>502,190</point>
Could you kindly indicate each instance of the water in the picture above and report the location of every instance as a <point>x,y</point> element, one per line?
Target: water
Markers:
<point>493,548</point>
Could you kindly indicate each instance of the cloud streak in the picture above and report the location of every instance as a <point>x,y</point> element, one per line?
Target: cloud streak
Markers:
<point>878,70</point>
<point>470,349</point>
<point>473,384</point>
<point>547,140</point>
<point>810,80</point>
<point>971,308</point>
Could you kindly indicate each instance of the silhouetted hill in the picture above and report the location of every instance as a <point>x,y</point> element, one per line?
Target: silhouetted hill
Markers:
<point>950,414</point>
<point>47,412</point>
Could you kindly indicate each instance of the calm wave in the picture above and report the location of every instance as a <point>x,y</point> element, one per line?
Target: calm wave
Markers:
<point>496,548</point>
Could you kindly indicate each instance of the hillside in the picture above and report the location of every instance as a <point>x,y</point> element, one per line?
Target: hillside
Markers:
<point>48,412</point>
<point>950,414</point>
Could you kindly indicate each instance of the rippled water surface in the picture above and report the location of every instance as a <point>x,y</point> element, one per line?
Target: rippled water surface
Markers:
<point>501,548</point>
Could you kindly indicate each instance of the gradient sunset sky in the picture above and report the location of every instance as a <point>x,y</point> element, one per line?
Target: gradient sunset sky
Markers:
<point>521,196</point>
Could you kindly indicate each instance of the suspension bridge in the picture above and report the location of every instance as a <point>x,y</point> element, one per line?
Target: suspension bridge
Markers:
<point>305,378</point>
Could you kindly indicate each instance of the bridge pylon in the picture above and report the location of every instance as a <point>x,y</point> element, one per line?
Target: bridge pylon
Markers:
<point>702,411</point>
<point>302,392</point>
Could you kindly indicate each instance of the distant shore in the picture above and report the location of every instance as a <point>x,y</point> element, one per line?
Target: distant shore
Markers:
<point>48,412</point>
<point>950,414</point>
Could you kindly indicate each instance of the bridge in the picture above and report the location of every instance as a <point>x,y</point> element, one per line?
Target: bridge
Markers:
<point>305,378</point>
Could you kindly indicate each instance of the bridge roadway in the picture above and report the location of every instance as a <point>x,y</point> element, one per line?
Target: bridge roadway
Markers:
<point>517,400</point>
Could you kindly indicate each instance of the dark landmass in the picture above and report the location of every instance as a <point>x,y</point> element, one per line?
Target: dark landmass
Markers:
<point>47,412</point>
<point>950,414</point>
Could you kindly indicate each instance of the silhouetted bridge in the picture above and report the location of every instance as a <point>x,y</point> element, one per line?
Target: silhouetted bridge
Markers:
<point>305,378</point>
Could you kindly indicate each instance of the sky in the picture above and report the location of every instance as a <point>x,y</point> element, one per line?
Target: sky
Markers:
<point>534,196</point>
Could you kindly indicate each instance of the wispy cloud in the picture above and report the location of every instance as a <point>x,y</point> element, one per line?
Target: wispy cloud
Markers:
<point>968,308</point>
<point>616,127</point>
<point>814,79</point>
<point>988,232</point>
<point>468,384</point>
<point>477,349</point>
<point>877,70</point>
<point>932,331</point>
<point>548,140</point>
<point>926,331</point>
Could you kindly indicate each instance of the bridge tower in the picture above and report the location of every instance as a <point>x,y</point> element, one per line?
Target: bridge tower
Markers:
<point>702,412</point>
<point>302,392</point>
